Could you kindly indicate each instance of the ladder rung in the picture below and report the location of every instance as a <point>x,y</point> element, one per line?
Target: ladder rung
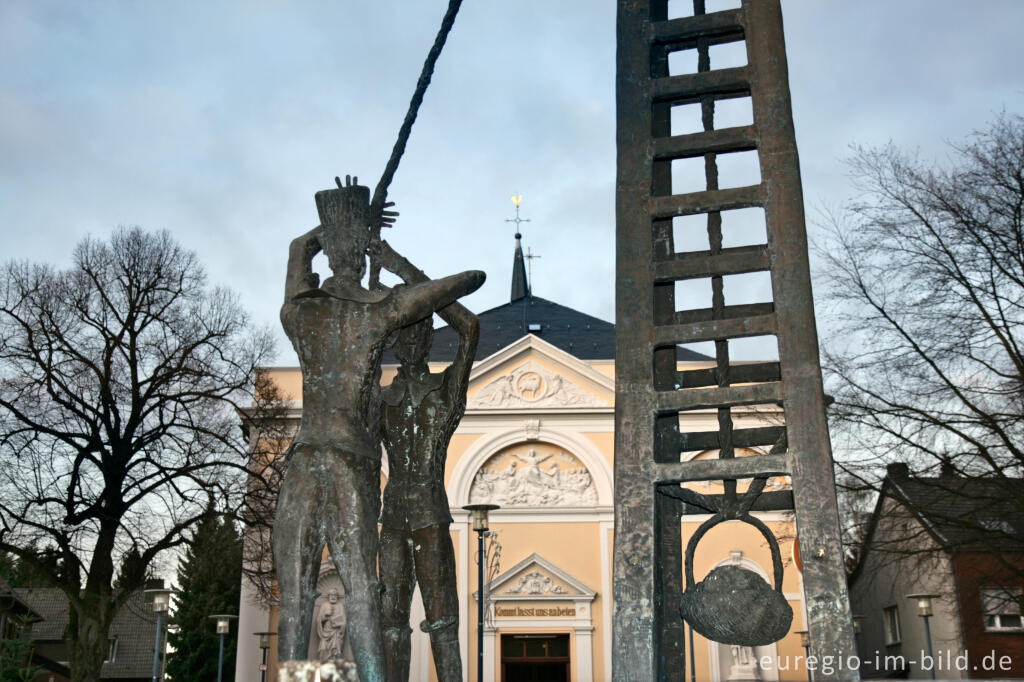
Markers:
<point>732,261</point>
<point>773,500</point>
<point>724,396</point>
<point>674,205</point>
<point>720,469</point>
<point>689,87</point>
<point>688,29</point>
<point>704,314</point>
<point>737,374</point>
<point>740,139</point>
<point>741,438</point>
<point>714,330</point>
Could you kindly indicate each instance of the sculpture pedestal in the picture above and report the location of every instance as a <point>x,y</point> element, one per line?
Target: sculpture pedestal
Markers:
<point>318,671</point>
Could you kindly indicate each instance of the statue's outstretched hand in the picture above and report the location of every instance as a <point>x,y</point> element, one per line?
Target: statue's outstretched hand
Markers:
<point>385,218</point>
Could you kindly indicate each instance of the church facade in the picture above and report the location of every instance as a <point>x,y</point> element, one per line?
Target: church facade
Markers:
<point>537,439</point>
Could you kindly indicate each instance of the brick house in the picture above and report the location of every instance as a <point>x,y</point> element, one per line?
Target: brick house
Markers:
<point>961,539</point>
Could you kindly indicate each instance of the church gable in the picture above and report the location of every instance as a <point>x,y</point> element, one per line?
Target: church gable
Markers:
<point>531,374</point>
<point>536,578</point>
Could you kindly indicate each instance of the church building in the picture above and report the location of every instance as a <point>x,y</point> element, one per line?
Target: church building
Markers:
<point>537,440</point>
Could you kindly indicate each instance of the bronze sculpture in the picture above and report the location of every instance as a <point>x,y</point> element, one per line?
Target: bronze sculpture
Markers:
<point>420,412</point>
<point>331,491</point>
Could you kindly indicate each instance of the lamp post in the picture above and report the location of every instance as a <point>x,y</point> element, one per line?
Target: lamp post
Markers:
<point>264,644</point>
<point>924,609</point>
<point>223,628</point>
<point>161,603</point>
<point>805,642</point>
<point>480,512</point>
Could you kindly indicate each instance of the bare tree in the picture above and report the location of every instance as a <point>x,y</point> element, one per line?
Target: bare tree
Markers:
<point>121,380</point>
<point>925,302</point>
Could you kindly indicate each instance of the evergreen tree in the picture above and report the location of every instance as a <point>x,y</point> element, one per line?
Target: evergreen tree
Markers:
<point>19,572</point>
<point>210,578</point>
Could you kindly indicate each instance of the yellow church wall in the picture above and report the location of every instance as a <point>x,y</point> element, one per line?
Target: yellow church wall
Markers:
<point>605,442</point>
<point>604,367</point>
<point>572,539</point>
<point>457,447</point>
<point>572,546</point>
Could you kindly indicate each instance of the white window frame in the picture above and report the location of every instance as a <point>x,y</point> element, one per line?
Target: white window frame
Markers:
<point>1006,596</point>
<point>111,650</point>
<point>891,624</point>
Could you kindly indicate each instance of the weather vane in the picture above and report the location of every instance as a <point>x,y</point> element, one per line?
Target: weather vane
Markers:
<point>517,199</point>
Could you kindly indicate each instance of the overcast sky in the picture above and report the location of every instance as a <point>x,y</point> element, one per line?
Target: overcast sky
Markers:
<point>219,120</point>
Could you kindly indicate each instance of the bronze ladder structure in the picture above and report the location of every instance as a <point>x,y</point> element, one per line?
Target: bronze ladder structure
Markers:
<point>648,640</point>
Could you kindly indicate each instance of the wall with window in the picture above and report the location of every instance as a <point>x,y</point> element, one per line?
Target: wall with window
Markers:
<point>991,624</point>
<point>891,626</point>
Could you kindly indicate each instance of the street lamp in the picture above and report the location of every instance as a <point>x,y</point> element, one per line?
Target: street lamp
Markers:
<point>924,609</point>
<point>480,512</point>
<point>805,642</point>
<point>161,603</point>
<point>264,644</point>
<point>223,628</point>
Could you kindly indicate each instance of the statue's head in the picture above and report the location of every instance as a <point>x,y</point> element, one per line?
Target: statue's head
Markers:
<point>411,344</point>
<point>332,595</point>
<point>345,218</point>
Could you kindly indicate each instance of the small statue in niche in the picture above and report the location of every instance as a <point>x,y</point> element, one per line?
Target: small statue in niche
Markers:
<point>420,412</point>
<point>330,627</point>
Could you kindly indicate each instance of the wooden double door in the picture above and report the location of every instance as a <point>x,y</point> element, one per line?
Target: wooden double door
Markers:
<point>535,658</point>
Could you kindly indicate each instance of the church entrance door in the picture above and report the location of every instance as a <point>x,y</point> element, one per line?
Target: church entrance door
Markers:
<point>535,658</point>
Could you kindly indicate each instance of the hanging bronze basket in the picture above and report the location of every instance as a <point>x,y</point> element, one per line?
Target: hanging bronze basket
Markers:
<point>734,605</point>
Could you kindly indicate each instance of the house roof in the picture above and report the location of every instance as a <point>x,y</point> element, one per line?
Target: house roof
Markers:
<point>11,603</point>
<point>134,626</point>
<point>977,513</point>
<point>974,514</point>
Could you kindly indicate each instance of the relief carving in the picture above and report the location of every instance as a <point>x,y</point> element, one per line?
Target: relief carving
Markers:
<point>514,479</point>
<point>531,385</point>
<point>536,582</point>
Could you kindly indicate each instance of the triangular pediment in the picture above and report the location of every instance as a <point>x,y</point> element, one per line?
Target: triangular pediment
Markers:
<point>537,578</point>
<point>532,374</point>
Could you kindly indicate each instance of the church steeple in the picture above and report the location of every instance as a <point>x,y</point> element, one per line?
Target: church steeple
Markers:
<point>520,285</point>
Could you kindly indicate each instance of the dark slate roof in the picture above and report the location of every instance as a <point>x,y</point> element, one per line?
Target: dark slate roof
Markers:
<point>581,335</point>
<point>977,514</point>
<point>134,626</point>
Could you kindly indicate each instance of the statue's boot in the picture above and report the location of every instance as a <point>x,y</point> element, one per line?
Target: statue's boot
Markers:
<point>397,653</point>
<point>444,645</point>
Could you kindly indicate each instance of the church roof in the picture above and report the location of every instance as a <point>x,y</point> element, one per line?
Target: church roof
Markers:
<point>582,335</point>
<point>576,333</point>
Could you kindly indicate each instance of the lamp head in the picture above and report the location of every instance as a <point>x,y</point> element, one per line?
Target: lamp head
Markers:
<point>924,603</point>
<point>223,622</point>
<point>480,512</point>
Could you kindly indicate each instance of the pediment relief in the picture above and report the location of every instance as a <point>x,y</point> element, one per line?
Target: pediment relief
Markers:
<point>532,373</point>
<point>531,385</point>
<point>536,578</point>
